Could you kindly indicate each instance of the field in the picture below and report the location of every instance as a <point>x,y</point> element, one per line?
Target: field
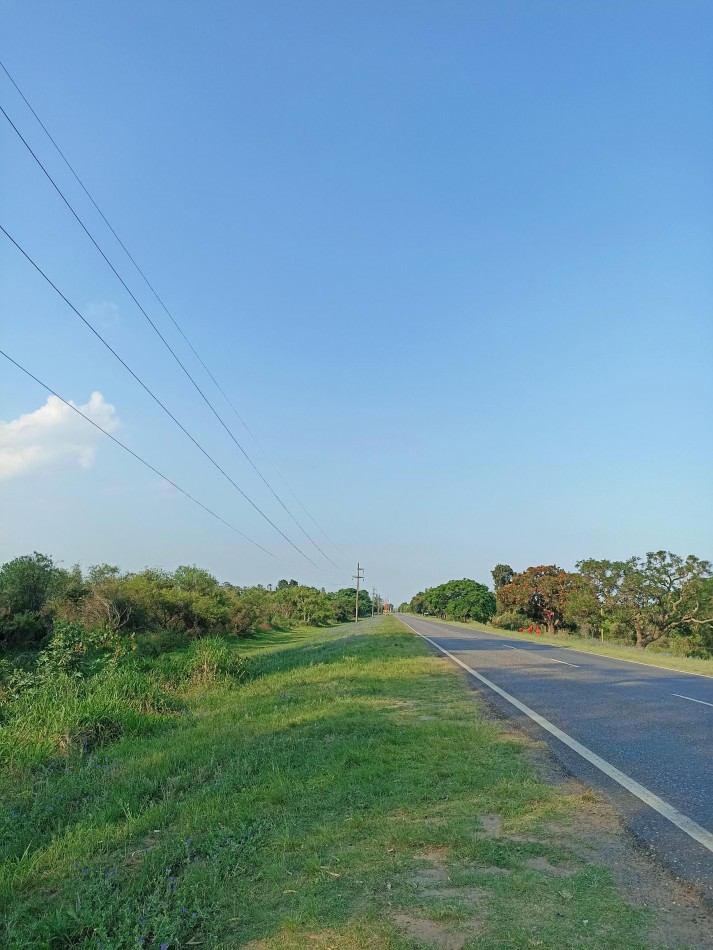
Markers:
<point>341,788</point>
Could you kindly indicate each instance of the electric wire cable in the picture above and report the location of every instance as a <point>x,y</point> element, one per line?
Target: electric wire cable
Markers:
<point>165,308</point>
<point>135,454</point>
<point>153,325</point>
<point>156,398</point>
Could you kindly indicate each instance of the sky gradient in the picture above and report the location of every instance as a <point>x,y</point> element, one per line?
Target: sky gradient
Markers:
<point>452,262</point>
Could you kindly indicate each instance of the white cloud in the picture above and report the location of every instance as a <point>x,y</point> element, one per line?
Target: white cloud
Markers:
<point>163,489</point>
<point>53,437</point>
<point>102,313</point>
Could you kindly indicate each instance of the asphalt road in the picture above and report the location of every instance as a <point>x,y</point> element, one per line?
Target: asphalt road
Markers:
<point>653,725</point>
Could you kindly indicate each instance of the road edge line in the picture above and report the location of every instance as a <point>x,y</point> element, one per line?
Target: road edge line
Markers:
<point>687,825</point>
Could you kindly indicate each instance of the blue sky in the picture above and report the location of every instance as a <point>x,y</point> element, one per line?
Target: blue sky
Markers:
<point>451,261</point>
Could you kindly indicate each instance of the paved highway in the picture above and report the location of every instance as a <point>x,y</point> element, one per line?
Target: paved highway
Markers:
<point>642,735</point>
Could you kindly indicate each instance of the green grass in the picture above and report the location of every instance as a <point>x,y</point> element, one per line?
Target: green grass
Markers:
<point>320,802</point>
<point>620,651</point>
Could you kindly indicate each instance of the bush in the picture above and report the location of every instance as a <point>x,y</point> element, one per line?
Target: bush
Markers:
<point>511,621</point>
<point>69,652</point>
<point>27,629</point>
<point>162,641</point>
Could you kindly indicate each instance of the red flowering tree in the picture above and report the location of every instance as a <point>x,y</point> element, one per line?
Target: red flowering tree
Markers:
<point>541,593</point>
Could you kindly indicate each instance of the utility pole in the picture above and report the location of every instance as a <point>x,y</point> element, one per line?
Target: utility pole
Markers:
<point>359,576</point>
<point>373,600</point>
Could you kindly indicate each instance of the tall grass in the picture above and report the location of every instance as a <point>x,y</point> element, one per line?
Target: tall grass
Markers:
<point>67,715</point>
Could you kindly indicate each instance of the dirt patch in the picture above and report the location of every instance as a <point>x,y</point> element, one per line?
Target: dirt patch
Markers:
<point>437,934</point>
<point>471,895</point>
<point>491,826</point>
<point>428,876</point>
<point>436,855</point>
<point>543,865</point>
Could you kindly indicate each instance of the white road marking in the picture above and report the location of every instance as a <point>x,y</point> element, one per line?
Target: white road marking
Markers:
<point>550,658</point>
<point>701,701</point>
<point>687,825</point>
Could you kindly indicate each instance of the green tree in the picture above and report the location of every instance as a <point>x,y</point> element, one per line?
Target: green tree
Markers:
<point>417,604</point>
<point>457,599</point>
<point>502,574</point>
<point>342,604</point>
<point>27,585</point>
<point>661,594</point>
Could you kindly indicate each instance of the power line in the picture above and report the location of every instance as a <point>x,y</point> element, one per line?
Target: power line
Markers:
<point>156,399</point>
<point>135,454</point>
<point>171,317</point>
<point>158,332</point>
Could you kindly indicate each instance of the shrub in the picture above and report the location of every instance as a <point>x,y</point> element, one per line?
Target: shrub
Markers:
<point>163,641</point>
<point>27,628</point>
<point>511,621</point>
<point>69,651</point>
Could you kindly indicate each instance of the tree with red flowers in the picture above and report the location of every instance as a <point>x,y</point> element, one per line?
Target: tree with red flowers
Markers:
<point>541,593</point>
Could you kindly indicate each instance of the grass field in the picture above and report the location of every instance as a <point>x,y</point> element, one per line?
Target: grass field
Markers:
<point>587,645</point>
<point>347,794</point>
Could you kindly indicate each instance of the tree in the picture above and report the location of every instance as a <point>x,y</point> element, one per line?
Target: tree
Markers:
<point>27,585</point>
<point>417,604</point>
<point>541,593</point>
<point>457,599</point>
<point>188,577</point>
<point>342,604</point>
<point>599,605</point>
<point>662,596</point>
<point>502,574</point>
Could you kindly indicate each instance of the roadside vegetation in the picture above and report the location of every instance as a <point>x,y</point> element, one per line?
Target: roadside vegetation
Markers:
<point>662,602</point>
<point>35,592</point>
<point>297,788</point>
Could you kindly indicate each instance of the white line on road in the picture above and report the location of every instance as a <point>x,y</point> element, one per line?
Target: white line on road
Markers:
<point>687,825</point>
<point>550,658</point>
<point>701,701</point>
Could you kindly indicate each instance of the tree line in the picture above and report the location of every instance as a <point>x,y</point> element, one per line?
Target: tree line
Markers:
<point>455,600</point>
<point>36,594</point>
<point>660,599</point>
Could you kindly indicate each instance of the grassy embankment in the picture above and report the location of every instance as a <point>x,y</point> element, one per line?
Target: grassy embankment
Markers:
<point>346,793</point>
<point>618,651</point>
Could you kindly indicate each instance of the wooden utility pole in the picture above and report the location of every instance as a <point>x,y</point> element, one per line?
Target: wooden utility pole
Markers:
<point>359,576</point>
<point>373,600</point>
